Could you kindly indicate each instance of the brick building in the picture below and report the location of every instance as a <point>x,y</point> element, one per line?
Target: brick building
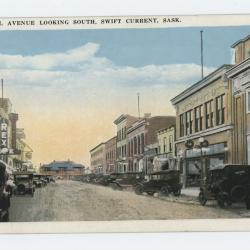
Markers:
<point>110,151</point>
<point>122,123</point>
<point>142,141</point>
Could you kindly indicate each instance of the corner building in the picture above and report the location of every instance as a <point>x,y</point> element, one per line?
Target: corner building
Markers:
<point>204,129</point>
<point>239,77</point>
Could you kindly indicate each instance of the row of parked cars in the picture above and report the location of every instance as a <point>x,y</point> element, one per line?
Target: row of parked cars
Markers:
<point>163,182</point>
<point>18,183</point>
<point>227,184</point>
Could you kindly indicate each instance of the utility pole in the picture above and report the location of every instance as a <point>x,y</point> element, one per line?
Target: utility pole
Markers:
<point>138,102</point>
<point>202,73</point>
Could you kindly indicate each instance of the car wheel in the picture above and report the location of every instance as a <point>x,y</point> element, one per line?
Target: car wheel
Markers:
<point>223,201</point>
<point>202,198</point>
<point>138,190</point>
<point>6,217</point>
<point>164,191</point>
<point>177,192</point>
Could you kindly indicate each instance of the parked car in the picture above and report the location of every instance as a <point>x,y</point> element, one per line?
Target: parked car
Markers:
<point>4,194</point>
<point>24,183</point>
<point>163,182</point>
<point>103,180</point>
<point>121,181</point>
<point>37,180</point>
<point>227,184</point>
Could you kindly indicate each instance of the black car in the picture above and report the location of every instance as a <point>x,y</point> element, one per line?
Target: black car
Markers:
<point>4,194</point>
<point>37,180</point>
<point>125,180</point>
<point>227,184</point>
<point>24,183</point>
<point>163,182</point>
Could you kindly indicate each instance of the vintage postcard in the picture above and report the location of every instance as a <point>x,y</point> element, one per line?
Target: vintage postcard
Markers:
<point>125,124</point>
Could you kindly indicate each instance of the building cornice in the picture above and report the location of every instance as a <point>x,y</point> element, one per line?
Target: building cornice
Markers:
<point>237,69</point>
<point>99,145</point>
<point>215,75</point>
<point>240,41</point>
<point>211,131</point>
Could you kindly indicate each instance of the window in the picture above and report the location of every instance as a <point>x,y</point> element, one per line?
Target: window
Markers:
<point>220,109</point>
<point>164,144</point>
<point>189,122</point>
<point>181,125</point>
<point>142,143</point>
<point>198,118</point>
<point>248,101</point>
<point>209,114</point>
<point>170,143</point>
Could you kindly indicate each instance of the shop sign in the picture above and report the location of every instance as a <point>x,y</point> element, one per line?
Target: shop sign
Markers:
<point>4,138</point>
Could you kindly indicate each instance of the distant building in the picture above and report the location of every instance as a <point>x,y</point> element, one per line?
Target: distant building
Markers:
<point>122,123</point>
<point>142,141</point>
<point>110,151</point>
<point>166,157</point>
<point>98,159</point>
<point>65,169</point>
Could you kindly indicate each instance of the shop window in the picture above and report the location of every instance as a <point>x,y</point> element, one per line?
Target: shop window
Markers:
<point>220,109</point>
<point>198,118</point>
<point>181,125</point>
<point>209,114</point>
<point>189,122</point>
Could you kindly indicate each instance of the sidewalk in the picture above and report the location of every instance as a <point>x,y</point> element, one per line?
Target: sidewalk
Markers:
<point>188,196</point>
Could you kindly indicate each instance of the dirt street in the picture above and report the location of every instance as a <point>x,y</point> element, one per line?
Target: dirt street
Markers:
<point>71,201</point>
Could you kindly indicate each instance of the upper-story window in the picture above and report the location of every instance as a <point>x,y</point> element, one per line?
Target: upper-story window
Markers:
<point>181,125</point>
<point>220,109</point>
<point>189,122</point>
<point>198,118</point>
<point>170,143</point>
<point>164,144</point>
<point>209,114</point>
<point>248,101</point>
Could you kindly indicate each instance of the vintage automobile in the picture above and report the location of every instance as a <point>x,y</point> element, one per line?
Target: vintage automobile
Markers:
<point>121,181</point>
<point>163,182</point>
<point>24,183</point>
<point>226,184</point>
<point>103,180</point>
<point>38,180</point>
<point>4,195</point>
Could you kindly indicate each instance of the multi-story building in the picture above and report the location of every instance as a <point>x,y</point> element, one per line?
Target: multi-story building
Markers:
<point>142,141</point>
<point>166,157</point>
<point>204,128</point>
<point>98,159</point>
<point>110,150</point>
<point>239,77</point>
<point>122,123</point>
<point>64,169</point>
<point>8,121</point>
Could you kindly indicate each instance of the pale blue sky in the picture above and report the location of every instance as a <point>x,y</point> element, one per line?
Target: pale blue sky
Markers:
<point>133,47</point>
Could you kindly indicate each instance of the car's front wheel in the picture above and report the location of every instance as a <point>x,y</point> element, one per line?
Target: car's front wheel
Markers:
<point>164,191</point>
<point>138,189</point>
<point>177,192</point>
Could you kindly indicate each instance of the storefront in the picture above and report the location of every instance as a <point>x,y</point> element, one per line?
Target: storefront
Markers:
<point>199,161</point>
